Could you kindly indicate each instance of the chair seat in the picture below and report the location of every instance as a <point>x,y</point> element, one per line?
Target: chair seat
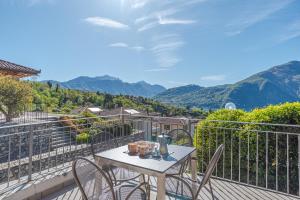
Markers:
<point>186,188</point>
<point>180,187</point>
<point>125,174</point>
<point>174,170</point>
<point>123,190</point>
<point>96,183</point>
<point>178,169</point>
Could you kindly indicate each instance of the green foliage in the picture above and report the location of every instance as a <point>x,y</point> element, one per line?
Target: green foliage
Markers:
<point>61,100</point>
<point>14,96</point>
<point>288,113</point>
<point>87,114</point>
<point>236,128</point>
<point>83,138</point>
<point>49,83</point>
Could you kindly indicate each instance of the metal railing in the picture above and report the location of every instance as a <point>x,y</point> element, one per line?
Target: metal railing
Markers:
<point>37,148</point>
<point>29,114</point>
<point>257,154</point>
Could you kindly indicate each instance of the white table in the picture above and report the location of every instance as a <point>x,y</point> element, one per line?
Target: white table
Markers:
<point>149,166</point>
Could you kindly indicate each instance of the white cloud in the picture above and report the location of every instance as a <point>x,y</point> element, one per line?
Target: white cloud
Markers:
<point>157,69</point>
<point>156,14</point>
<point>118,44</point>
<point>167,37</point>
<point>190,2</point>
<point>187,3</point>
<point>167,59</point>
<point>138,48</point>
<point>147,26</point>
<point>160,18</point>
<point>35,2</point>
<point>105,22</point>
<point>175,21</point>
<point>134,4</point>
<point>213,78</point>
<point>254,12</point>
<point>168,46</point>
<point>291,32</point>
<point>152,20</point>
<point>138,3</point>
<point>124,45</point>
<point>164,49</point>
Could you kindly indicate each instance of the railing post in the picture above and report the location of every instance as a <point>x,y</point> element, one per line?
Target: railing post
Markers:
<point>30,154</point>
<point>267,158</point>
<point>122,115</point>
<point>287,164</point>
<point>276,160</point>
<point>299,165</point>
<point>147,130</point>
<point>151,130</point>
<point>122,122</point>
<point>189,127</point>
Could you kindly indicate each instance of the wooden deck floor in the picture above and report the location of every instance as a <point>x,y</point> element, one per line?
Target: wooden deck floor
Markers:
<point>222,190</point>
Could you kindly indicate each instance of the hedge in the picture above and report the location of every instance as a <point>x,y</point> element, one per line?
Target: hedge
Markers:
<point>237,128</point>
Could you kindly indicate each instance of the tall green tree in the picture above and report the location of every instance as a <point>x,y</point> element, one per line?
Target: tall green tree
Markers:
<point>108,101</point>
<point>57,87</point>
<point>49,84</point>
<point>14,96</point>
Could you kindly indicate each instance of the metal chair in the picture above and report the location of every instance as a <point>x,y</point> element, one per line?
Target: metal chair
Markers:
<point>119,175</point>
<point>179,186</point>
<point>96,184</point>
<point>183,138</point>
<point>180,137</point>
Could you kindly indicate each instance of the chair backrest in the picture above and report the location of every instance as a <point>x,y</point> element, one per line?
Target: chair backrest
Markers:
<point>211,167</point>
<point>180,137</point>
<point>183,138</point>
<point>92,181</point>
<point>104,136</point>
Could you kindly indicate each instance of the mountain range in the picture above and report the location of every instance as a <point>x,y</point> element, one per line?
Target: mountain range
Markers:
<point>111,85</point>
<point>278,84</point>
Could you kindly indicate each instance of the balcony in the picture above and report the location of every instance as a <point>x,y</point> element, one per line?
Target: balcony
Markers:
<point>260,161</point>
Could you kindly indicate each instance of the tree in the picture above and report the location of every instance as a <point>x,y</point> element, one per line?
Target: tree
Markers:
<point>49,83</point>
<point>57,87</point>
<point>14,96</point>
<point>108,101</point>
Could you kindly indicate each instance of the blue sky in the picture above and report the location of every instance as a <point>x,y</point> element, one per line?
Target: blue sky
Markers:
<point>168,42</point>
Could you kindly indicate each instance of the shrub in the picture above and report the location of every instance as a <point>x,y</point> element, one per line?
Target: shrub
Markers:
<point>236,128</point>
<point>15,95</point>
<point>83,138</point>
<point>88,114</point>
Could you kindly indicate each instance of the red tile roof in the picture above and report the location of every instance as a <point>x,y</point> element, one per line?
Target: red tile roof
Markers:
<point>19,69</point>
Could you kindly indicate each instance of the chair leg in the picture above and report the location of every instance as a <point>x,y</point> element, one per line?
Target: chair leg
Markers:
<point>147,186</point>
<point>211,190</point>
<point>148,191</point>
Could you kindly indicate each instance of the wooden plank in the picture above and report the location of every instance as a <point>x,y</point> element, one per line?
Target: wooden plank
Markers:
<point>223,193</point>
<point>222,190</point>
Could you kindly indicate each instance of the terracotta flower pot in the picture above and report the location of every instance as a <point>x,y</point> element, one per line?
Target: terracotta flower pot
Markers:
<point>132,148</point>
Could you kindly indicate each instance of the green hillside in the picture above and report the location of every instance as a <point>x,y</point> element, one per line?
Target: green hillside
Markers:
<point>279,84</point>
<point>59,100</point>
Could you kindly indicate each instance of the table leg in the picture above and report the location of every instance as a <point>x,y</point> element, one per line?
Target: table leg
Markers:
<point>161,187</point>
